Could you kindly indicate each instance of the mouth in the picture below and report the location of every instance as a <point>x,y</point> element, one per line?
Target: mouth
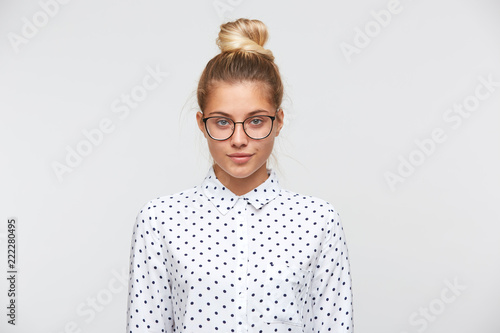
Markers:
<point>240,158</point>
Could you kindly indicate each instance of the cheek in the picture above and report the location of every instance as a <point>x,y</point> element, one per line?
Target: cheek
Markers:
<point>267,145</point>
<point>215,147</point>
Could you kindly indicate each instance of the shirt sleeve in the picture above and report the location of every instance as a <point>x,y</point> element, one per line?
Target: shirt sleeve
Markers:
<point>149,298</point>
<point>331,294</point>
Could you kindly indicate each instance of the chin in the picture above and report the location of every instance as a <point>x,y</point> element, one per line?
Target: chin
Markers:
<point>239,171</point>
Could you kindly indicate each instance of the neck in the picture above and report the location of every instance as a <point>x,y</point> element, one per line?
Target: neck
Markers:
<point>240,186</point>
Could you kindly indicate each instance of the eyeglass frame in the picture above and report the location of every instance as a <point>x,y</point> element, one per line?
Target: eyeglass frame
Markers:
<point>239,122</point>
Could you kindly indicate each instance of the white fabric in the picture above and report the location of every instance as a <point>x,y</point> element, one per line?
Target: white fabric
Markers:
<point>207,260</point>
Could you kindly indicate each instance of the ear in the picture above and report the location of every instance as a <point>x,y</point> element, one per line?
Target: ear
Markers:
<point>199,121</point>
<point>279,120</point>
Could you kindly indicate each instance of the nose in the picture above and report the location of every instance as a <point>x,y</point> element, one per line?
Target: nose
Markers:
<point>239,137</point>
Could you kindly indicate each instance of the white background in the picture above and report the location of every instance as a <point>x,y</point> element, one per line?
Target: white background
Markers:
<point>350,119</point>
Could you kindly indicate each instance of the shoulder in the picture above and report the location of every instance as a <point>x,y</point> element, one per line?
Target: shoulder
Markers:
<point>321,215</point>
<point>168,202</point>
<point>153,213</point>
<point>306,202</point>
<point>316,210</point>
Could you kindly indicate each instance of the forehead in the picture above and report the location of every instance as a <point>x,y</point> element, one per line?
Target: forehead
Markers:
<point>238,99</point>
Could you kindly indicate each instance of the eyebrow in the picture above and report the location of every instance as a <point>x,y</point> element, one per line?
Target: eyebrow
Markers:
<point>229,116</point>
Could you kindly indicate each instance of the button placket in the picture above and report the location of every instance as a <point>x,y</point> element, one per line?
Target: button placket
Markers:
<point>242,264</point>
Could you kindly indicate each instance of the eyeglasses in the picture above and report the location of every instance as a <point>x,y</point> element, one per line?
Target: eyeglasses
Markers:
<point>255,127</point>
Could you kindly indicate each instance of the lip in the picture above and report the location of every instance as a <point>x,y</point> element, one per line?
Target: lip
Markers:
<point>240,158</point>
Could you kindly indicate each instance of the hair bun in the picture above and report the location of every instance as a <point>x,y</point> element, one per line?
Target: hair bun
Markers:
<point>244,35</point>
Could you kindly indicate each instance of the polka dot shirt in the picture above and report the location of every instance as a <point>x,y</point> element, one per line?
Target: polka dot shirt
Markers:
<point>207,260</point>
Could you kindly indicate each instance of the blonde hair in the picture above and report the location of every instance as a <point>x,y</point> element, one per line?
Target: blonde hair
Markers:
<point>242,58</point>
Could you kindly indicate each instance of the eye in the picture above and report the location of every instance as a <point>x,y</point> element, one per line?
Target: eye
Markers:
<point>222,122</point>
<point>256,121</point>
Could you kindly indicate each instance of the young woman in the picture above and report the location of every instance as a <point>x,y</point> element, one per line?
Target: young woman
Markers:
<point>238,253</point>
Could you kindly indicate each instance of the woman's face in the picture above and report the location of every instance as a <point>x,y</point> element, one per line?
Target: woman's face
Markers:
<point>240,162</point>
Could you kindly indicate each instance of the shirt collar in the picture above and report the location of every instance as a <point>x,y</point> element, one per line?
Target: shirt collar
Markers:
<point>223,199</point>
